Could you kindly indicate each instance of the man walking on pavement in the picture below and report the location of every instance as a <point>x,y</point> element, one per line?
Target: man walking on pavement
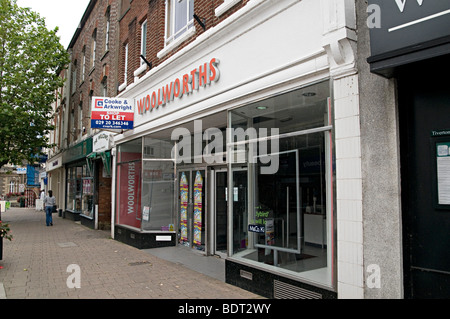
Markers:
<point>49,202</point>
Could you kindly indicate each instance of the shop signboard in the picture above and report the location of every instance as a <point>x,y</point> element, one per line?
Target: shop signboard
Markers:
<point>256,229</point>
<point>102,142</point>
<point>405,31</point>
<point>166,94</point>
<point>112,113</point>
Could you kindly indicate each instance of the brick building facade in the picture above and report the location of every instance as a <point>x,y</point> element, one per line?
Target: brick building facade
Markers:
<point>93,63</point>
<point>132,16</point>
<point>82,176</point>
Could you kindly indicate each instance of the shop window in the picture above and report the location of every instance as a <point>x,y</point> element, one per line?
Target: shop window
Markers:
<point>87,203</point>
<point>145,184</point>
<point>158,207</point>
<point>158,201</point>
<point>286,225</point>
<point>75,187</point>
<point>179,18</point>
<point>129,176</point>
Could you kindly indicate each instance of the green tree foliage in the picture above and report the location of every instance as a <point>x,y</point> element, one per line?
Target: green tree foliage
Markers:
<point>31,58</point>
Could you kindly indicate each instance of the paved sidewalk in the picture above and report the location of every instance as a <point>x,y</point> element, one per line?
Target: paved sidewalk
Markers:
<point>35,265</point>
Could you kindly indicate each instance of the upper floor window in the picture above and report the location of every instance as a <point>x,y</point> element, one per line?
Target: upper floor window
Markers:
<point>179,18</point>
<point>107,27</point>
<point>125,67</point>
<point>74,77</point>
<point>143,40</point>
<point>80,120</point>
<point>125,63</point>
<point>83,67</point>
<point>93,48</point>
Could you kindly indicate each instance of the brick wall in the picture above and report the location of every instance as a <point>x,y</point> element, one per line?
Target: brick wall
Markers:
<point>104,198</point>
<point>104,69</point>
<point>154,12</point>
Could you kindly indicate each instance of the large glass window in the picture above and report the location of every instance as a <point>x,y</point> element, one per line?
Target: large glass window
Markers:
<point>76,174</point>
<point>87,203</point>
<point>145,184</point>
<point>285,143</point>
<point>158,202</point>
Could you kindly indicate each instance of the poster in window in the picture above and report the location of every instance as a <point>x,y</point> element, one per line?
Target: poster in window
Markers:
<point>184,189</point>
<point>198,209</point>
<point>130,194</point>
<point>443,172</point>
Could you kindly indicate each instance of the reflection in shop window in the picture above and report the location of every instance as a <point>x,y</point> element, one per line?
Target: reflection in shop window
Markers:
<point>75,176</point>
<point>87,204</point>
<point>286,223</point>
<point>158,196</point>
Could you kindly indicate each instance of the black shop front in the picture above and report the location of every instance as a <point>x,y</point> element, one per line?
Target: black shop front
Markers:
<point>411,44</point>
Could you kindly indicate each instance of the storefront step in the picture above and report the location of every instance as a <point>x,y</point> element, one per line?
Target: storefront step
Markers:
<point>271,285</point>
<point>144,240</point>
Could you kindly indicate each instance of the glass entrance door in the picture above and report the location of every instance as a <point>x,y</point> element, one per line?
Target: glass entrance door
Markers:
<point>221,213</point>
<point>239,199</point>
<point>192,208</point>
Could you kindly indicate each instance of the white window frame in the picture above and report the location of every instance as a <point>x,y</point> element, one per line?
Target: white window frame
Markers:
<point>94,48</point>
<point>143,65</point>
<point>144,27</point>
<point>108,25</point>
<point>83,70</point>
<point>80,121</point>
<point>169,38</point>
<point>74,77</point>
<point>170,35</point>
<point>124,84</point>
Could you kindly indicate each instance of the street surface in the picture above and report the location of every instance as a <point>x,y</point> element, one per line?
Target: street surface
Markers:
<point>50,262</point>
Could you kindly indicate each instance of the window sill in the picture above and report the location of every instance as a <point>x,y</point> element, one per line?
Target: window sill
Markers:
<point>140,70</point>
<point>225,6</point>
<point>123,86</point>
<point>189,33</point>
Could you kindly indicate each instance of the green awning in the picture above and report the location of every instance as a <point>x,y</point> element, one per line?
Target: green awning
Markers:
<point>93,155</point>
<point>106,159</point>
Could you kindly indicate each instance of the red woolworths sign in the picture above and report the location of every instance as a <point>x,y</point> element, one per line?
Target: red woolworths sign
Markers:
<point>129,197</point>
<point>187,84</point>
<point>112,113</point>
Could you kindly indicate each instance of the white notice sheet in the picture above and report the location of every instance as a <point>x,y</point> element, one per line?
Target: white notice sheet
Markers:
<point>443,173</point>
